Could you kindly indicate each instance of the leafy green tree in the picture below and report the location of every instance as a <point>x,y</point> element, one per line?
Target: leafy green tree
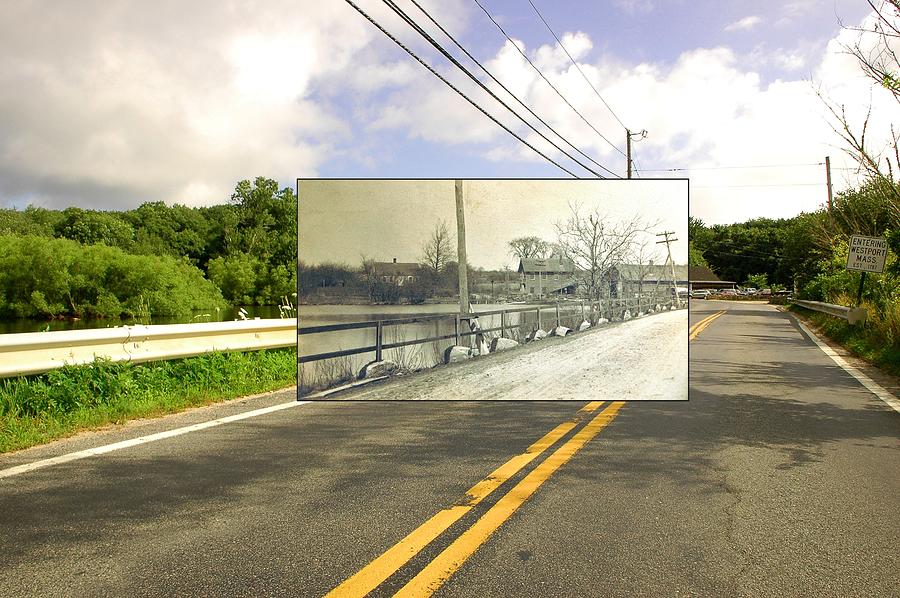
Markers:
<point>42,277</point>
<point>92,227</point>
<point>759,281</point>
<point>236,276</point>
<point>177,230</point>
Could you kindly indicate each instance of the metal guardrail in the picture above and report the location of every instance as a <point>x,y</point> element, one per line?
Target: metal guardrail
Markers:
<point>37,352</point>
<point>851,314</point>
<point>563,312</point>
<point>838,311</point>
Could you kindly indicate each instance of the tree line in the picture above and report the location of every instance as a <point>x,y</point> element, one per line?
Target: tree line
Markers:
<point>156,259</point>
<point>808,253</point>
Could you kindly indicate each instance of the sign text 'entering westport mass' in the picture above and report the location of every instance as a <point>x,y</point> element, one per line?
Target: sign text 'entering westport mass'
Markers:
<point>867,254</point>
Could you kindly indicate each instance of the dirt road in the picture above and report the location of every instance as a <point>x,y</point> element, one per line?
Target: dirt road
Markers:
<point>642,359</point>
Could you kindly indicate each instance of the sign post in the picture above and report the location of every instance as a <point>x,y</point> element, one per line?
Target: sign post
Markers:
<point>867,254</point>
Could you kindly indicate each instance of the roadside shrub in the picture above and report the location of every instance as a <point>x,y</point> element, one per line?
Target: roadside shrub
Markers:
<point>41,277</point>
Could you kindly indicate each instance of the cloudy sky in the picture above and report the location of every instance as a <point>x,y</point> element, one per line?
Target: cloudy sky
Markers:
<point>110,104</point>
<point>342,220</point>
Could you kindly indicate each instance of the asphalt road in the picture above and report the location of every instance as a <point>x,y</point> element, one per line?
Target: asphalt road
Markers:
<point>779,477</point>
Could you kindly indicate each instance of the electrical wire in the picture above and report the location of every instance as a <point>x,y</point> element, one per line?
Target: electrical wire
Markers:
<point>553,87</point>
<point>497,81</point>
<point>457,90</point>
<point>762,185</point>
<point>734,167</point>
<point>547,25</point>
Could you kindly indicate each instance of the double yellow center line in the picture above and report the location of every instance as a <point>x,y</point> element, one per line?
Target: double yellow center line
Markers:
<point>702,324</point>
<point>447,562</point>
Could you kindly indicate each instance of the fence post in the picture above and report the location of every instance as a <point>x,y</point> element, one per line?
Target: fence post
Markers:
<point>503,324</point>
<point>456,328</point>
<point>539,318</point>
<point>557,314</point>
<point>379,328</point>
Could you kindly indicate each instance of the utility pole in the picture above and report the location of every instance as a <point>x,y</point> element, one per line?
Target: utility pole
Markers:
<point>668,242</point>
<point>461,250</point>
<point>828,180</point>
<point>628,136</point>
<point>628,150</point>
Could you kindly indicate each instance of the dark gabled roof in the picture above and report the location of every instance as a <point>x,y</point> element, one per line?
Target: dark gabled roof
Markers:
<point>396,268</point>
<point>703,274</point>
<point>550,265</point>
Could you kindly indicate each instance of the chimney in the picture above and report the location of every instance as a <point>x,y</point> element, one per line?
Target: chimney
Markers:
<point>395,260</point>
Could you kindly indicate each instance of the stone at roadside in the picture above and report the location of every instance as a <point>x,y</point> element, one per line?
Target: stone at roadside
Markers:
<point>536,335</point>
<point>584,326</point>
<point>500,344</point>
<point>457,353</point>
<point>375,369</point>
<point>559,331</point>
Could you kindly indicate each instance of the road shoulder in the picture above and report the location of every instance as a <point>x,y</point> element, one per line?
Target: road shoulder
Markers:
<point>887,381</point>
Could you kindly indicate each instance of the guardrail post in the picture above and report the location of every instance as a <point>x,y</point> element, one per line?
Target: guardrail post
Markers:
<point>503,324</point>
<point>456,329</point>
<point>557,314</point>
<point>379,328</point>
<point>539,318</point>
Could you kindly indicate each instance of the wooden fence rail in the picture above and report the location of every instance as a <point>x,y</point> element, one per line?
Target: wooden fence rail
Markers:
<point>592,311</point>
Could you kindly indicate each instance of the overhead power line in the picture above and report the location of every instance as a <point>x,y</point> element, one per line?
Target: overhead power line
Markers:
<point>539,72</point>
<point>458,91</point>
<point>761,185</point>
<point>493,78</point>
<point>559,41</point>
<point>733,167</point>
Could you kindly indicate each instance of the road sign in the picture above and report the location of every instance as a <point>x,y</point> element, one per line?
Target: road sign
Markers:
<point>867,254</point>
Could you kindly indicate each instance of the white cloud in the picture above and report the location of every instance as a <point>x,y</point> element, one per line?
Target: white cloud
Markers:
<point>132,102</point>
<point>744,24</point>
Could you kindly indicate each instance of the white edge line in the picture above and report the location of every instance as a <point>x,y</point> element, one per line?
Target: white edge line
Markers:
<point>108,448</point>
<point>873,387</point>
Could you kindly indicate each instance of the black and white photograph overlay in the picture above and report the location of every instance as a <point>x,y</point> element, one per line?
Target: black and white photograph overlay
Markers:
<point>492,290</point>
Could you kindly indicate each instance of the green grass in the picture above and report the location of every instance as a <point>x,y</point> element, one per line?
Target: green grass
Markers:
<point>38,409</point>
<point>867,342</point>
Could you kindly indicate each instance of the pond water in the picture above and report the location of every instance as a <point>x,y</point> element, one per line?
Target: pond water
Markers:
<point>223,315</point>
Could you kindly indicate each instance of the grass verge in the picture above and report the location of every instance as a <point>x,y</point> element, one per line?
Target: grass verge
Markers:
<point>862,341</point>
<point>38,409</point>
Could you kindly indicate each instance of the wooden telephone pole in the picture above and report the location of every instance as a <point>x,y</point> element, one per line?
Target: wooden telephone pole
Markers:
<point>628,136</point>
<point>668,242</point>
<point>461,250</point>
<point>828,180</point>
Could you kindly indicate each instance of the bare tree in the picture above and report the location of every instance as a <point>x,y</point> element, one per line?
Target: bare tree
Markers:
<point>529,247</point>
<point>877,50</point>
<point>369,271</point>
<point>595,244</point>
<point>644,255</point>
<point>438,250</point>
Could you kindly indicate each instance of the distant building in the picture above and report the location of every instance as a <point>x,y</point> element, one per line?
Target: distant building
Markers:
<point>702,277</point>
<point>398,273</point>
<point>627,280</point>
<point>541,277</point>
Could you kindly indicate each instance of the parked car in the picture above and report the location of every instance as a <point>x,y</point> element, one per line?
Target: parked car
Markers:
<point>701,294</point>
<point>728,293</point>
